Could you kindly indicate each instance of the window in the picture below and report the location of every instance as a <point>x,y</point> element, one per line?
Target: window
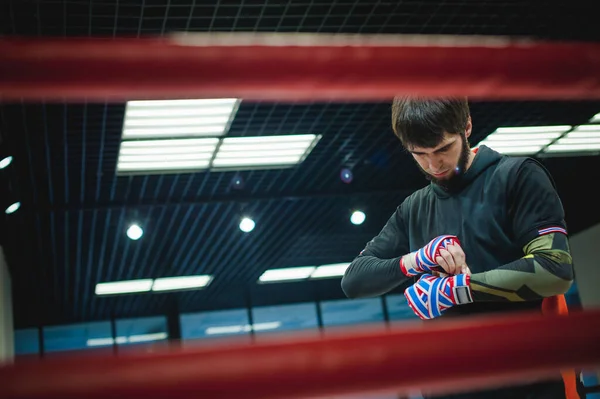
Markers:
<point>355,311</point>
<point>398,309</point>
<point>299,316</point>
<point>141,330</point>
<point>590,379</point>
<point>75,336</point>
<point>212,324</point>
<point>27,342</point>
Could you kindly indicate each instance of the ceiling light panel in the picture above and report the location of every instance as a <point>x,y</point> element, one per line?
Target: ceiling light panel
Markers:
<point>178,118</point>
<point>159,156</point>
<point>181,283</point>
<point>287,274</point>
<point>264,151</point>
<point>124,287</point>
<point>329,271</point>
<point>523,140</point>
<point>583,140</point>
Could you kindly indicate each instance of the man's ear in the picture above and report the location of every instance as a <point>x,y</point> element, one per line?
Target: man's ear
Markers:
<point>469,128</point>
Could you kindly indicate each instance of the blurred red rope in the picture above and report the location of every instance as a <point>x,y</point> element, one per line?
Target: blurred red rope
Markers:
<point>298,67</point>
<point>481,352</point>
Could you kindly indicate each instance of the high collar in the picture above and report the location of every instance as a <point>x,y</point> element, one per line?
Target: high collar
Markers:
<point>484,158</point>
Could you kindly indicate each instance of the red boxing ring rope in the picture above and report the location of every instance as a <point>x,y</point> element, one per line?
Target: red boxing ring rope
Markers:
<point>295,67</point>
<point>475,353</point>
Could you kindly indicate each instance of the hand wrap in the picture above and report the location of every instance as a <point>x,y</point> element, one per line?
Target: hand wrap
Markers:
<point>431,295</point>
<point>423,260</point>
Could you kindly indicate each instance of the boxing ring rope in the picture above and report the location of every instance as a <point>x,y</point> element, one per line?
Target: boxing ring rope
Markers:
<point>295,67</point>
<point>475,352</point>
<point>440,356</point>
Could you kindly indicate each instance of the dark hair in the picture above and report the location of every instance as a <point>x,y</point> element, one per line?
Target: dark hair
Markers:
<point>422,122</point>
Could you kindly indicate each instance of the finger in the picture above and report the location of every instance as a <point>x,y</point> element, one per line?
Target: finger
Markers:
<point>457,253</point>
<point>463,269</point>
<point>440,261</point>
<point>444,265</point>
<point>449,260</point>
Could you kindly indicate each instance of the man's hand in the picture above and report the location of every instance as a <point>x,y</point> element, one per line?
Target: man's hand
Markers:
<point>442,254</point>
<point>452,259</point>
<point>431,296</point>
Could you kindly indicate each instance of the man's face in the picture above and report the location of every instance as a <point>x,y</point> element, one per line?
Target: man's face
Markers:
<point>445,161</point>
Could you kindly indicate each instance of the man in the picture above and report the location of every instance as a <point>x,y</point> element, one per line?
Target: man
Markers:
<point>487,235</point>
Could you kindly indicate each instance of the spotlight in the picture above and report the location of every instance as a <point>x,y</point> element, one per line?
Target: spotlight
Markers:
<point>358,217</point>
<point>135,232</point>
<point>247,225</point>
<point>237,183</point>
<point>346,175</point>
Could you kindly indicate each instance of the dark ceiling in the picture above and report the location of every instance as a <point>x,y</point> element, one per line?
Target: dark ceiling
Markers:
<point>70,231</point>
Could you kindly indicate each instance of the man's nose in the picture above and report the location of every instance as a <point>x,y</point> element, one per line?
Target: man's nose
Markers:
<point>435,163</point>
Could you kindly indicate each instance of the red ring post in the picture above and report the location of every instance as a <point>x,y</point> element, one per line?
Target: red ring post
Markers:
<point>439,356</point>
<point>300,67</point>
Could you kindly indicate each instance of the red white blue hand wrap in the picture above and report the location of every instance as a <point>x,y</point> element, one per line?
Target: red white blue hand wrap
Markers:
<point>423,260</point>
<point>431,295</point>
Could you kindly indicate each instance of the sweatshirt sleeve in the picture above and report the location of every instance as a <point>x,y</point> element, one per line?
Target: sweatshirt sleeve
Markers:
<point>546,268</point>
<point>376,270</point>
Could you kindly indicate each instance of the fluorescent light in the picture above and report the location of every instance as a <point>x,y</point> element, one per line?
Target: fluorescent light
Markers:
<point>558,147</point>
<point>264,151</point>
<point>5,162</point>
<point>242,328</point>
<point>333,270</point>
<point>256,161</point>
<point>198,145</point>
<point>510,150</point>
<point>183,111</point>
<point>287,274</point>
<point>178,118</point>
<point>12,208</point>
<point>523,139</point>
<point>180,283</point>
<point>175,122</point>
<point>147,337</point>
<point>150,132</point>
<point>100,341</point>
<point>161,166</point>
<point>159,158</point>
<point>304,272</point>
<point>583,139</point>
<point>532,129</point>
<point>587,130</point>
<point>153,104</point>
<point>124,340</point>
<point>224,330</point>
<point>166,155</point>
<point>124,287</point>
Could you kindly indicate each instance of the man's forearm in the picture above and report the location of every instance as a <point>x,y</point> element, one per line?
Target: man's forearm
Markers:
<point>545,271</point>
<point>368,276</point>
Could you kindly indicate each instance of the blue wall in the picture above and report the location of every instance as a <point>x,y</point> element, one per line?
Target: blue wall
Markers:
<point>221,323</point>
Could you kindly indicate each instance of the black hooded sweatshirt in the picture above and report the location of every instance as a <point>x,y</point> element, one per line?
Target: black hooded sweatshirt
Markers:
<point>495,208</point>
